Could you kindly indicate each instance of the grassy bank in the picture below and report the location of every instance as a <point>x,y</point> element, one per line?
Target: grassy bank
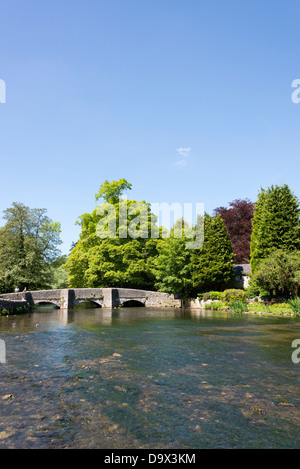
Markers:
<point>255,308</point>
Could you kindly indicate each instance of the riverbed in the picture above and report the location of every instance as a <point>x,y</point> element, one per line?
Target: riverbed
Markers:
<point>148,378</point>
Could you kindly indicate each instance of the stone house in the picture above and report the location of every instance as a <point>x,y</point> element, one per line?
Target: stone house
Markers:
<point>242,275</point>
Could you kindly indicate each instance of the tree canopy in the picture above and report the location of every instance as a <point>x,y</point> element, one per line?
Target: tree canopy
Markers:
<point>29,243</point>
<point>121,245</point>
<point>112,191</point>
<point>212,265</point>
<point>238,223</point>
<point>278,275</point>
<point>172,266</point>
<point>114,246</point>
<point>275,223</point>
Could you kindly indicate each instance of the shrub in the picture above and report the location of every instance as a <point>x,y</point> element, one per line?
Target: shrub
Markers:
<point>215,295</point>
<point>211,295</point>
<point>233,294</point>
<point>238,306</point>
<point>215,305</point>
<point>252,291</point>
<point>295,306</point>
<point>206,296</point>
<point>278,275</point>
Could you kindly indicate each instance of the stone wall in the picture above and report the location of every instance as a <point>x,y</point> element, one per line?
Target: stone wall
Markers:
<point>11,305</point>
<point>193,303</point>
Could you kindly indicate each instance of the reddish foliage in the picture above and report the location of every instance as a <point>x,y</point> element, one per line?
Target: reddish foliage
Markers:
<point>237,219</point>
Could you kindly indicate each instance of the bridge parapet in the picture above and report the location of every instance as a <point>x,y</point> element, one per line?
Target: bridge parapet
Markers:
<point>104,297</point>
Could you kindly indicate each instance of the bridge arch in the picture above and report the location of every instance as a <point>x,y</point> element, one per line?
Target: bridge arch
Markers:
<point>48,303</point>
<point>89,302</point>
<point>133,304</point>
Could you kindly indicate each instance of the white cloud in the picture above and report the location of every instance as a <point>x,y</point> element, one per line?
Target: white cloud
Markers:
<point>183,151</point>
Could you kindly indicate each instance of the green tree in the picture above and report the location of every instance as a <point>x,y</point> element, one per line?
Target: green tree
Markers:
<point>172,266</point>
<point>59,274</point>
<point>115,246</point>
<point>278,275</point>
<point>275,223</point>
<point>28,246</point>
<point>212,264</point>
<point>112,191</point>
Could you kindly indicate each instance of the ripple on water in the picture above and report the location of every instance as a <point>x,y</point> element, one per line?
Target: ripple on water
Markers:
<point>167,381</point>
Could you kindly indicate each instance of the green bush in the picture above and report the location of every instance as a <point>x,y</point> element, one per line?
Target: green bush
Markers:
<point>252,291</point>
<point>238,306</point>
<point>211,295</point>
<point>295,306</point>
<point>215,305</point>
<point>233,294</point>
<point>215,295</point>
<point>278,275</point>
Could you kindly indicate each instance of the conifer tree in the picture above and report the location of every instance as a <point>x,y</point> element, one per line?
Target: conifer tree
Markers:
<point>212,265</point>
<point>275,223</point>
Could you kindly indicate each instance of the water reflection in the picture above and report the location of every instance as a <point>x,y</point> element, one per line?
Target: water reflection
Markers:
<point>143,377</point>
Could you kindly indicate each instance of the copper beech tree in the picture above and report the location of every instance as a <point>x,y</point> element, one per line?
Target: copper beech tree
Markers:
<point>238,222</point>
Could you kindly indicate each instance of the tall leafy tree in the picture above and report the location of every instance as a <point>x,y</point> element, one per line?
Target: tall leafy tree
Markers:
<point>29,244</point>
<point>115,247</point>
<point>275,223</point>
<point>212,264</point>
<point>172,266</point>
<point>238,223</point>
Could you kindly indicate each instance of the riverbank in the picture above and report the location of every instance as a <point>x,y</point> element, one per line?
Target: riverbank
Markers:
<point>276,309</point>
<point>21,305</point>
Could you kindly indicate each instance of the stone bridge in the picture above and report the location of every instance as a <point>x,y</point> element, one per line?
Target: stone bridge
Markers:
<point>102,297</point>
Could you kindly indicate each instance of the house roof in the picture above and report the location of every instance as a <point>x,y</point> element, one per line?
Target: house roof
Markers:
<point>242,269</point>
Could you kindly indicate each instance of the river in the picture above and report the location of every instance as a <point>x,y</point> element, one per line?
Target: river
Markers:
<point>148,378</point>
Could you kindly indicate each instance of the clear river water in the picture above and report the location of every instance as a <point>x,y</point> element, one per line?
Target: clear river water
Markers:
<point>148,378</point>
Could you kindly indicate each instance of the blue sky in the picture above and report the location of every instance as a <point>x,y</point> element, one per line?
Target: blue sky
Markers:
<point>190,101</point>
